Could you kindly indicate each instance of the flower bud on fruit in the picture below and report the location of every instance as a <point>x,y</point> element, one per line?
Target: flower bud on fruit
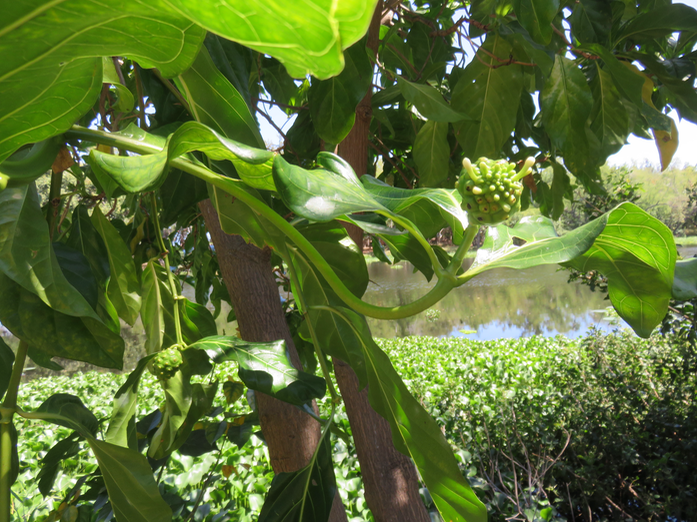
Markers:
<point>166,363</point>
<point>490,181</point>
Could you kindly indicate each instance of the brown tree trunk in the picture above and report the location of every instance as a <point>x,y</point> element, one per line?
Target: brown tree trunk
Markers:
<point>291,435</point>
<point>390,479</point>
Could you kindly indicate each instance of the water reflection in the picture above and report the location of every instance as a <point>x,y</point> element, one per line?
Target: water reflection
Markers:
<point>499,303</point>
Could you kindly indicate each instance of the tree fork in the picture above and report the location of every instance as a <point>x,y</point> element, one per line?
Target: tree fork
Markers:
<point>390,478</point>
<point>291,435</point>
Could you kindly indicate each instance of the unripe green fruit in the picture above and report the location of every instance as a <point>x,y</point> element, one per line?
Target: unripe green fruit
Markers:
<point>487,183</point>
<point>166,363</point>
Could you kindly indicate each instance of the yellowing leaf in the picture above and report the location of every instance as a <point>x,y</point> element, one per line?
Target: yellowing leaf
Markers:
<point>667,143</point>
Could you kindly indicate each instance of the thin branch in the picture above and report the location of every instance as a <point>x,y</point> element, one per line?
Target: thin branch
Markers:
<point>282,105</point>
<point>571,47</point>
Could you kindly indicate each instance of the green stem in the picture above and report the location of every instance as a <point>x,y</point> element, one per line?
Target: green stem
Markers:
<point>459,257</point>
<point>236,189</point>
<point>315,341</point>
<point>170,276</point>
<point>409,227</point>
<point>6,413</point>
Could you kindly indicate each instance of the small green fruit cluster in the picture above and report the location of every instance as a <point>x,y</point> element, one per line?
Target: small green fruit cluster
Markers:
<point>166,363</point>
<point>491,189</point>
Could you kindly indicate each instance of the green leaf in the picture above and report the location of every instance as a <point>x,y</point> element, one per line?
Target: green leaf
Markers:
<point>536,17</point>
<point>490,97</point>
<point>77,271</point>
<point>414,432</point>
<point>591,20</point>
<point>319,195</point>
<point>609,117</point>
<point>305,495</point>
<point>69,411</point>
<point>660,22</point>
<point>418,206</point>
<point>132,173</point>
<point>215,102</point>
<point>52,52</point>
<point>63,449</point>
<point>85,238</point>
<point>125,101</point>
<point>7,358</point>
<point>253,165</point>
<point>25,165</point>
<point>408,248</point>
<point>265,367</point>
<point>333,102</point>
<point>14,456</point>
<point>178,400</point>
<point>685,281</point>
<point>429,101</point>
<point>181,192</point>
<point>123,288</point>
<point>432,154</point>
<point>122,428</point>
<point>51,333</point>
<point>566,102</point>
<point>625,80</point>
<point>27,257</point>
<point>306,40</point>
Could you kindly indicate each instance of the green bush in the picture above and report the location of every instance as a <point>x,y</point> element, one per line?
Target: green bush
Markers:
<point>545,429</point>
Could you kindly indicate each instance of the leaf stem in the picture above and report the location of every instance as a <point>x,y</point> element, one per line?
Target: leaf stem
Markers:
<point>170,276</point>
<point>237,189</point>
<point>6,414</point>
<point>459,257</point>
<point>300,298</point>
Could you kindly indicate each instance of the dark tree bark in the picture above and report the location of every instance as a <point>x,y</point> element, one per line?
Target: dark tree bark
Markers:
<point>390,478</point>
<point>291,435</point>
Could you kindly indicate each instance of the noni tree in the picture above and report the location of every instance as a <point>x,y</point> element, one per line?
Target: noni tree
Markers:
<point>145,119</point>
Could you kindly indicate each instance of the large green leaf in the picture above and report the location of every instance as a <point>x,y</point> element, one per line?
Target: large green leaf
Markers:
<point>591,20</point>
<point>333,102</point>
<point>536,17</point>
<point>306,37</point>
<point>85,238</point>
<point>626,80</point>
<point>432,154</point>
<point>609,118</point>
<point>429,101</point>
<point>28,164</point>
<point>418,205</point>
<point>305,495</point>
<point>489,95</point>
<point>7,359</point>
<point>660,22</point>
<point>685,281</point>
<point>265,367</point>
<point>320,195</point>
<point>414,432</point>
<point>566,102</point>
<point>122,428</point>
<point>133,174</point>
<point>178,399</point>
<point>215,102</point>
<point>123,288</point>
<point>635,251</point>
<point>52,51</point>
<point>52,461</point>
<point>156,296</point>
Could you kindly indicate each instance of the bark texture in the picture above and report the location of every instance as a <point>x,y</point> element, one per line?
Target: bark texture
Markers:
<point>390,478</point>
<point>291,435</point>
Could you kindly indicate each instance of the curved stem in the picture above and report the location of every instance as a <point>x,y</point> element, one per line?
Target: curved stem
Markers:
<point>300,297</point>
<point>170,276</point>
<point>459,257</point>
<point>236,189</point>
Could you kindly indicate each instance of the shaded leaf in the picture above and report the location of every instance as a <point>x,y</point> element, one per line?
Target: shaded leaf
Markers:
<point>432,153</point>
<point>25,165</point>
<point>609,117</point>
<point>660,22</point>
<point>429,101</point>
<point>685,280</point>
<point>63,449</point>
<point>536,17</point>
<point>125,101</point>
<point>591,20</point>
<point>7,359</point>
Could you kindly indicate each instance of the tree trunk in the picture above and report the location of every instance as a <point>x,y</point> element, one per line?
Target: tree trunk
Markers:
<point>291,435</point>
<point>390,479</point>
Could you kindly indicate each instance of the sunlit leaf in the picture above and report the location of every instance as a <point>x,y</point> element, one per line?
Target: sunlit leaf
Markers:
<point>429,101</point>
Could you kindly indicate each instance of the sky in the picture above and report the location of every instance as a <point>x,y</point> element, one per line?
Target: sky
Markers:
<point>638,151</point>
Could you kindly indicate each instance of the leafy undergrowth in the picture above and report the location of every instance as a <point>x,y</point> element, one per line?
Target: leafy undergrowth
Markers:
<point>545,429</point>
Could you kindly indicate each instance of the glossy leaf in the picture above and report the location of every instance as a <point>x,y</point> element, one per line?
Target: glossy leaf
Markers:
<point>432,153</point>
<point>414,432</point>
<point>490,97</point>
<point>7,358</point>
<point>609,117</point>
<point>24,166</point>
<point>215,102</point>
<point>660,22</point>
<point>566,101</point>
<point>536,17</point>
<point>685,280</point>
<point>305,495</point>
<point>53,52</point>
<point>123,288</point>
<point>132,173</point>
<point>265,367</point>
<point>306,38</point>
<point>333,102</point>
<point>319,195</point>
<point>122,429</point>
<point>252,164</point>
<point>429,102</point>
